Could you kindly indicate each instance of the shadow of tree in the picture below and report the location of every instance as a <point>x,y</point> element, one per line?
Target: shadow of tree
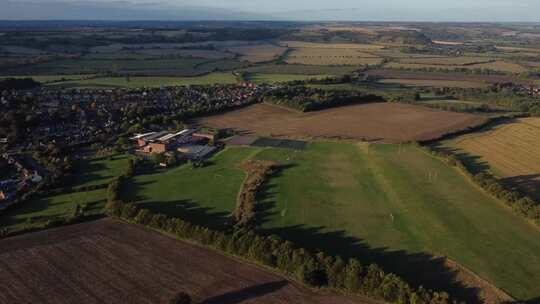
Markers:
<point>247,293</point>
<point>529,184</point>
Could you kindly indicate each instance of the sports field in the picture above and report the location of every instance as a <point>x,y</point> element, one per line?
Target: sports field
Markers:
<point>202,195</point>
<point>512,151</point>
<point>88,173</point>
<point>394,203</point>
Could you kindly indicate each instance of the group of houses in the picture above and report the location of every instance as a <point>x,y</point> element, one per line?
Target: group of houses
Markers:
<point>17,177</point>
<point>191,143</point>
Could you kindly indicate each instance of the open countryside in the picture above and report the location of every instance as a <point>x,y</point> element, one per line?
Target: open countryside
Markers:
<point>269,161</point>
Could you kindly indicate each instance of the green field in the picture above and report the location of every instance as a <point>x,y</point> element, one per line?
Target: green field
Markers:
<point>202,195</point>
<point>394,203</point>
<point>390,204</point>
<point>187,66</point>
<point>51,78</point>
<point>136,82</point>
<point>271,78</point>
<point>88,173</point>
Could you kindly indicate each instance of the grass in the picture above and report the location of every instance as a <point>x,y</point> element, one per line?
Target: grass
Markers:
<point>135,82</point>
<point>88,173</point>
<point>272,78</point>
<point>51,78</point>
<point>298,69</point>
<point>435,83</point>
<point>149,67</point>
<point>329,56</point>
<point>202,195</point>
<point>392,204</point>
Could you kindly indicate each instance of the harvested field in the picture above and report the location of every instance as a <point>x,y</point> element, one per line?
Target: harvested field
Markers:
<point>435,83</point>
<point>512,151</point>
<point>331,56</point>
<point>386,122</point>
<point>111,262</point>
<point>258,52</point>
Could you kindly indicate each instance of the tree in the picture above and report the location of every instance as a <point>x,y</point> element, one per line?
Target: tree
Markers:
<point>180,298</point>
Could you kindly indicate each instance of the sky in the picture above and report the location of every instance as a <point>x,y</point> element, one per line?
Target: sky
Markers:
<point>351,10</point>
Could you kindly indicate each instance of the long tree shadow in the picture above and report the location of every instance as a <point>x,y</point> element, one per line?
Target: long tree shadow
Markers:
<point>190,211</point>
<point>266,196</point>
<point>529,184</point>
<point>245,294</point>
<point>418,269</point>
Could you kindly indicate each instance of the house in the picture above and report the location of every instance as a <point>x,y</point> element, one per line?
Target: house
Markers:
<point>156,147</point>
<point>3,196</point>
<point>209,136</point>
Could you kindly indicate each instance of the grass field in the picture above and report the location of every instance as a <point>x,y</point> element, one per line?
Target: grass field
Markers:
<point>298,69</point>
<point>435,83</point>
<point>187,66</point>
<point>331,56</point>
<point>464,60</point>
<point>355,46</point>
<point>258,52</point>
<point>135,81</point>
<point>393,203</point>
<point>272,78</point>
<point>501,66</point>
<point>88,173</point>
<point>51,78</point>
<point>196,194</point>
<point>512,151</point>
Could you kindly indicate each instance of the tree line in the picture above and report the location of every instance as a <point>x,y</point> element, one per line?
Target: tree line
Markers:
<point>257,171</point>
<point>313,269</point>
<point>308,99</point>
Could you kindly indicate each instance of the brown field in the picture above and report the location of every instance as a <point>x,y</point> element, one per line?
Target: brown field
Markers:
<point>111,262</point>
<point>258,52</point>
<point>385,122</point>
<point>512,151</point>
<point>435,83</point>
<point>330,56</point>
<point>502,66</point>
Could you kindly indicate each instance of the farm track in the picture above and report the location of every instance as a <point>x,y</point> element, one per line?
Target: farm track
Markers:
<point>112,262</point>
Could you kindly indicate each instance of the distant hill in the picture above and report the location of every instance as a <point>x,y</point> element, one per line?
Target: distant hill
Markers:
<point>114,10</point>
